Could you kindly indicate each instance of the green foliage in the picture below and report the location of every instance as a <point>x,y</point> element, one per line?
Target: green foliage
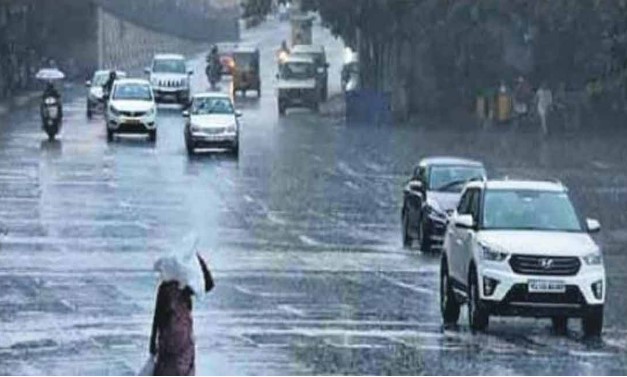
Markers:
<point>466,41</point>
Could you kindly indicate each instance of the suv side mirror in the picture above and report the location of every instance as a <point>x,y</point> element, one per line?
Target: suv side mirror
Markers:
<point>238,114</point>
<point>88,83</point>
<point>593,225</point>
<point>464,221</point>
<point>190,72</point>
<point>147,70</point>
<point>185,113</point>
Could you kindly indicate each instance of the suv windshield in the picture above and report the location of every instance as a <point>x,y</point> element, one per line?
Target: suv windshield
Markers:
<point>169,66</point>
<point>453,178</point>
<point>137,92</point>
<point>529,210</point>
<point>208,105</point>
<point>297,71</point>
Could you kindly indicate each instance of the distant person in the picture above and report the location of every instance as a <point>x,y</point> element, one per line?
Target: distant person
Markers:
<point>108,85</point>
<point>544,99</point>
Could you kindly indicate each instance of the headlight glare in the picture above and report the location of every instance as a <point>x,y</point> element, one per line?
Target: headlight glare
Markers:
<point>593,259</point>
<point>490,254</point>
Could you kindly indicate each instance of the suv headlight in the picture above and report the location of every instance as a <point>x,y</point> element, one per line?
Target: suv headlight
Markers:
<point>114,111</point>
<point>491,254</point>
<point>194,128</point>
<point>231,128</point>
<point>593,259</point>
<point>151,112</point>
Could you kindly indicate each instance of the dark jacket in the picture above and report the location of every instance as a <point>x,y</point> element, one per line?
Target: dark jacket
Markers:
<point>172,338</point>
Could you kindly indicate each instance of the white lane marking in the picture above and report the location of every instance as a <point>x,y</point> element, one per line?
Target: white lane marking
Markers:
<point>308,241</point>
<point>411,287</point>
<point>351,185</point>
<point>275,219</point>
<point>292,310</point>
<point>344,168</point>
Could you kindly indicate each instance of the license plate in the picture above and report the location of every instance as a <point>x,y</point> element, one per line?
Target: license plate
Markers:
<point>546,286</point>
<point>132,121</point>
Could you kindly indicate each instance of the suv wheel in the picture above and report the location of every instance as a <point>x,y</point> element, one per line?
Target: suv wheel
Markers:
<point>478,317</point>
<point>407,240</point>
<point>152,135</point>
<point>560,325</point>
<point>448,302</point>
<point>592,323</point>
<point>109,135</point>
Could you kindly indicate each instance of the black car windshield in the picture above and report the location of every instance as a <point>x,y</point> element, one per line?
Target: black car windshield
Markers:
<point>317,57</point>
<point>169,66</point>
<point>297,71</point>
<point>138,92</point>
<point>529,210</point>
<point>100,79</point>
<point>209,105</point>
<point>451,178</point>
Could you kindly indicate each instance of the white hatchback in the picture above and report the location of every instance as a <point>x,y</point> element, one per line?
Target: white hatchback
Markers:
<point>132,109</point>
<point>519,248</point>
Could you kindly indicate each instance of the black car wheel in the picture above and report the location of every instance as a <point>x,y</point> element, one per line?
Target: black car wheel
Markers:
<point>424,235</point>
<point>152,135</point>
<point>449,306</point>
<point>89,111</point>
<point>281,108</point>
<point>407,239</point>
<point>109,135</point>
<point>478,317</point>
<point>592,323</point>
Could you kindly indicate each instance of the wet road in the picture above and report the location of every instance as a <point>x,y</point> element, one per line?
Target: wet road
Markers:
<point>303,235</point>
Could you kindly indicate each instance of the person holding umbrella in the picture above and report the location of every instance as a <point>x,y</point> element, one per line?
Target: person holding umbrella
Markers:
<point>183,275</point>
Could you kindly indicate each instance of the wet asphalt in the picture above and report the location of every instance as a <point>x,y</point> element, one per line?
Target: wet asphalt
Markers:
<point>302,232</point>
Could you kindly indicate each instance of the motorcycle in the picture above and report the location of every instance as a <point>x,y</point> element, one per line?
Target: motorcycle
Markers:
<point>51,117</point>
<point>214,74</point>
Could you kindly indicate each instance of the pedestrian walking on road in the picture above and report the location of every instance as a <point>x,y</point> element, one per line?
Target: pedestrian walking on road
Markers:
<point>544,98</point>
<point>182,275</point>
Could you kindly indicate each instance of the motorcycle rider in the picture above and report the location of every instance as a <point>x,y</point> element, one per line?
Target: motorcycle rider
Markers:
<point>283,52</point>
<point>108,85</point>
<point>51,92</point>
<point>214,66</point>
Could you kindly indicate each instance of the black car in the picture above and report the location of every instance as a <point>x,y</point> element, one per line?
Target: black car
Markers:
<point>431,195</point>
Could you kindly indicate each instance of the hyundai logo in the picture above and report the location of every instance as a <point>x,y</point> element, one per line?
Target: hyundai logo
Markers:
<point>546,263</point>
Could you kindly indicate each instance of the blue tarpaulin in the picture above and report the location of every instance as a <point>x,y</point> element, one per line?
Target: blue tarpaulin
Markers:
<point>368,107</point>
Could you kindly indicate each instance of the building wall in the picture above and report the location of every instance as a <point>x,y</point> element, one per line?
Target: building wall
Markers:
<point>124,45</point>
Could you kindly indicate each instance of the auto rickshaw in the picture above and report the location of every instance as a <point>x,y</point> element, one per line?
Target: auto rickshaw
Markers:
<point>246,75</point>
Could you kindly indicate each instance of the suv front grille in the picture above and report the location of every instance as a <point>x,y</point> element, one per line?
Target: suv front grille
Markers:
<point>133,114</point>
<point>543,265</point>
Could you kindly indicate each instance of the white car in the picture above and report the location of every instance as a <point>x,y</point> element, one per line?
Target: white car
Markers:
<point>212,122</point>
<point>170,78</point>
<point>131,109</point>
<point>519,248</point>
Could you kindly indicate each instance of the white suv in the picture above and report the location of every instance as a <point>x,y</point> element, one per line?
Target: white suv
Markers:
<point>169,77</point>
<point>519,248</point>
